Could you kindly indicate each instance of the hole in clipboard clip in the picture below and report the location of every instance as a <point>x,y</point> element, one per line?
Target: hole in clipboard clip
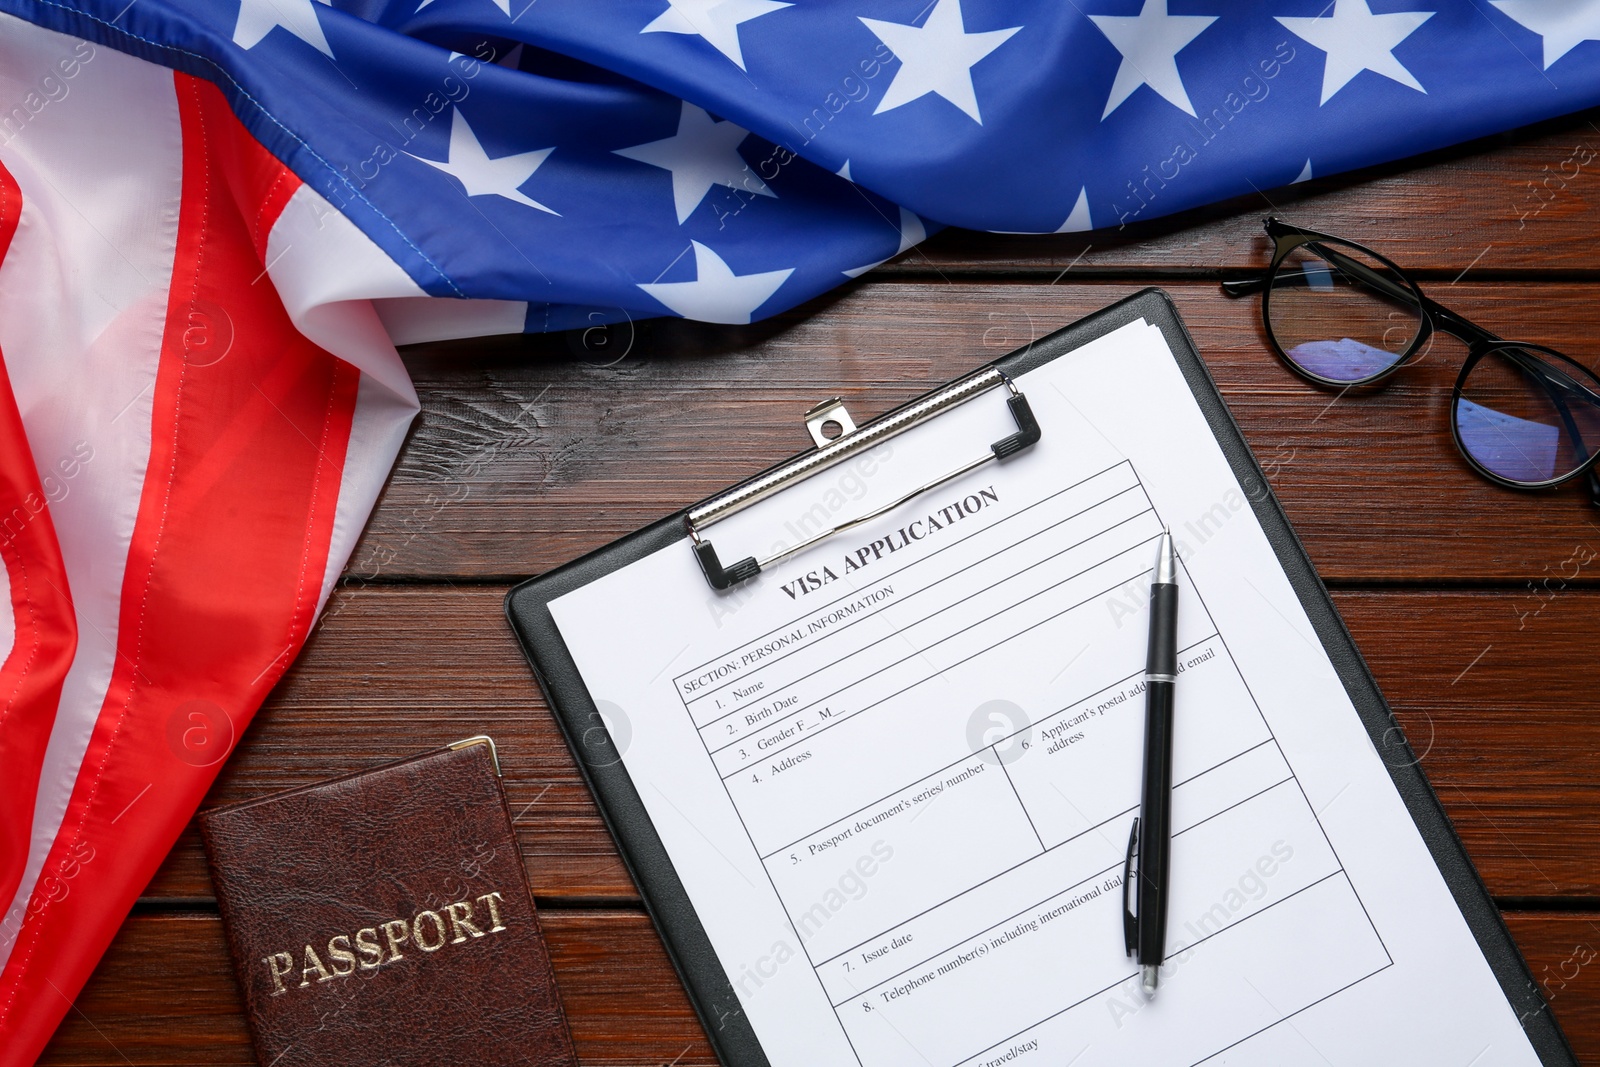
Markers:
<point>829,413</point>
<point>838,446</point>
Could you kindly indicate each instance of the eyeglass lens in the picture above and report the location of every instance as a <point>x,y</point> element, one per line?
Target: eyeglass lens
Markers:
<point>1528,415</point>
<point>1339,314</point>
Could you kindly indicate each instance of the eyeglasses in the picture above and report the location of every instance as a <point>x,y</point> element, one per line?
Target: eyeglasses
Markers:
<point>1342,316</point>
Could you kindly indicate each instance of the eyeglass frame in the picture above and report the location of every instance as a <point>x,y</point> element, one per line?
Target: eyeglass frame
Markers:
<point>1480,342</point>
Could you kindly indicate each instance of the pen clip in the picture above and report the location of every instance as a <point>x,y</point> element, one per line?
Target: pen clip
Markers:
<point>1130,921</point>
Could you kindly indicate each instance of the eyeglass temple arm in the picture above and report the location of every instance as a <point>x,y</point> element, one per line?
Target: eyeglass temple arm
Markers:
<point>1576,437</point>
<point>1442,317</point>
<point>1551,378</point>
<point>1593,477</point>
<point>1353,267</point>
<point>1244,286</point>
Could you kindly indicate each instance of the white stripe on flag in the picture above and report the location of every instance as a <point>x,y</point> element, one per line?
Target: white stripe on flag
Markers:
<point>329,260</point>
<point>324,270</point>
<point>84,295</point>
<point>439,318</point>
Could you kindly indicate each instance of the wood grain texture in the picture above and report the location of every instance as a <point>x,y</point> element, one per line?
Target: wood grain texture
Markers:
<point>1498,705</point>
<point>526,456</point>
<point>1496,696</point>
<point>1467,601</point>
<point>165,995</point>
<point>1563,955</point>
<point>1521,202</point>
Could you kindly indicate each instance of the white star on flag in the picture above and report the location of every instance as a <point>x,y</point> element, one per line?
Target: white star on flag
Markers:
<point>717,294</point>
<point>703,153</point>
<point>1357,40</point>
<point>1078,219</point>
<point>257,18</point>
<point>717,21</point>
<point>1562,24</point>
<point>1150,42</point>
<point>936,57</point>
<point>470,165</point>
<point>912,233</point>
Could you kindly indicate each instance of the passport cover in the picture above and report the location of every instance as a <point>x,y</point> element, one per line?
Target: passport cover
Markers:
<point>385,918</point>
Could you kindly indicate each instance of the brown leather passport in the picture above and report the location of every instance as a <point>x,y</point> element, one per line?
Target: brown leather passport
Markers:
<point>385,918</point>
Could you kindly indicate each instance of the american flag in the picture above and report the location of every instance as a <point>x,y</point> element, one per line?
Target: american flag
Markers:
<point>219,217</point>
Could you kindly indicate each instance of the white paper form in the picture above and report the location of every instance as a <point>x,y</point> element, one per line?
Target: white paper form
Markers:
<point>896,773</point>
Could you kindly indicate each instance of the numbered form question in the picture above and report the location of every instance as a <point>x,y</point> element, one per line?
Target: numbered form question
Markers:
<point>897,772</point>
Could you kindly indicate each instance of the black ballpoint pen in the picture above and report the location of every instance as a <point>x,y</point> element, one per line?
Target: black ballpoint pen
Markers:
<point>1146,931</point>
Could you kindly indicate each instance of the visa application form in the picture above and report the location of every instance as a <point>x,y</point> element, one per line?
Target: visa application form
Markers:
<point>896,773</point>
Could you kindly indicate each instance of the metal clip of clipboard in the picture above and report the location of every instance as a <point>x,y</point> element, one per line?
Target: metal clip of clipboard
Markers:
<point>849,442</point>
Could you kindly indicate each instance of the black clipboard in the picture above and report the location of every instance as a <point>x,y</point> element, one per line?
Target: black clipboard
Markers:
<point>735,1042</point>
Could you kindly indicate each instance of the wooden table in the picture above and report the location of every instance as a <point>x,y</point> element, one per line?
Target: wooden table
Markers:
<point>1477,608</point>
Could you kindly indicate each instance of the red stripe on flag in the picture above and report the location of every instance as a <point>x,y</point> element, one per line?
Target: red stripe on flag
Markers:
<point>257,180</point>
<point>41,607</point>
<point>223,576</point>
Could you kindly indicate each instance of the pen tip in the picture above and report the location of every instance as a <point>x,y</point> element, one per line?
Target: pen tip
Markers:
<point>1166,560</point>
<point>1152,975</point>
